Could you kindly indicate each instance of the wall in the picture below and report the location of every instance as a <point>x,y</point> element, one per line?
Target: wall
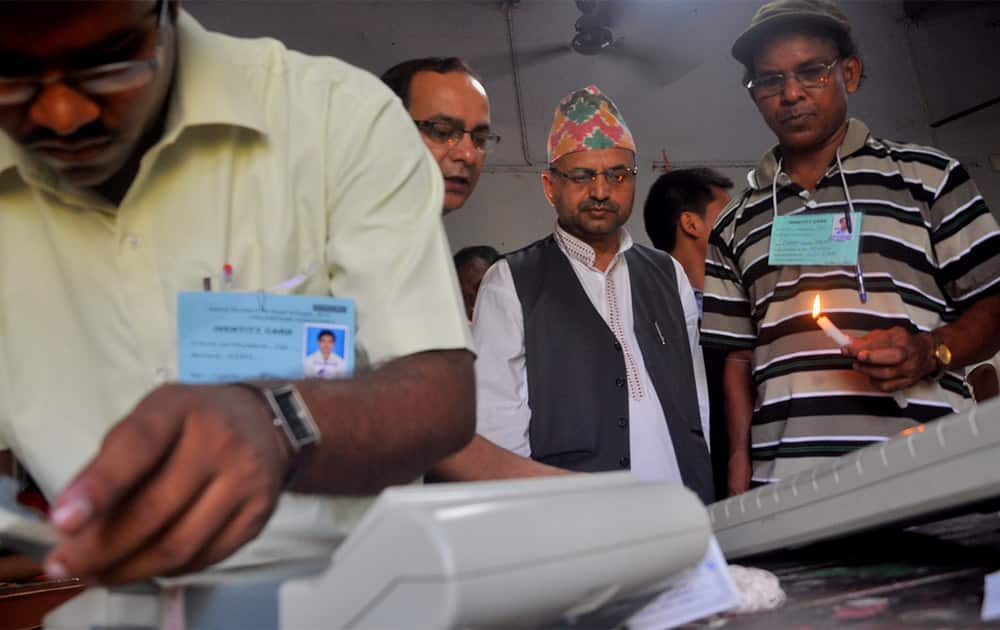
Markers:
<point>696,110</point>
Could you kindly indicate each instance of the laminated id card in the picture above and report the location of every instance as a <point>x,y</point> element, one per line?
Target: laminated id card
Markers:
<point>231,336</point>
<point>815,240</point>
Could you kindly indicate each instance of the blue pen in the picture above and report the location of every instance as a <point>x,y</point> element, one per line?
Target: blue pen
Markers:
<point>861,283</point>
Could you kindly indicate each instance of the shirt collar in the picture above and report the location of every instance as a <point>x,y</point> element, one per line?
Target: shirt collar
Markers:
<point>761,176</point>
<point>582,252</point>
<point>213,86</point>
<point>208,89</point>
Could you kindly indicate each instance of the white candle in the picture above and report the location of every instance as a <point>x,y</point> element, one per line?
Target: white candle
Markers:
<point>842,340</point>
<point>832,331</point>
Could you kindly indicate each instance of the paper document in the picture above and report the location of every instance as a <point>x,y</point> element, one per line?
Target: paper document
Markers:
<point>991,597</point>
<point>21,529</point>
<point>704,590</point>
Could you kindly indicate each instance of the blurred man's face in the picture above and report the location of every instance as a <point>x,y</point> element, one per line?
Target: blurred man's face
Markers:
<point>804,117</point>
<point>459,100</point>
<point>326,344</point>
<point>72,122</point>
<point>720,199</point>
<point>470,276</point>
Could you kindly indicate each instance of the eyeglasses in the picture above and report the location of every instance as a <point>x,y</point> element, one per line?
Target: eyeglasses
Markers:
<point>443,132</point>
<point>584,176</point>
<point>812,76</point>
<point>104,79</point>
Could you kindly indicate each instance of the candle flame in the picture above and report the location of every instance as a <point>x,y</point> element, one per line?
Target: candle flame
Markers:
<point>816,307</point>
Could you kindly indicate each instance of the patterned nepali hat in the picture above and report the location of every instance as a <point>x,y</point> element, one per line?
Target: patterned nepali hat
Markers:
<point>586,120</point>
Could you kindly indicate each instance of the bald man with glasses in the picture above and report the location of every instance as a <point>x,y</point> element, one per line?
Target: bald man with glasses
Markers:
<point>449,106</point>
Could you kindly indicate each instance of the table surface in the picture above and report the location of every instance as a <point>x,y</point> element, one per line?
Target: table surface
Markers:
<point>925,576</point>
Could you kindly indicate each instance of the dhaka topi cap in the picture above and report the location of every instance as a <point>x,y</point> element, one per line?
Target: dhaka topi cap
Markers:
<point>587,120</point>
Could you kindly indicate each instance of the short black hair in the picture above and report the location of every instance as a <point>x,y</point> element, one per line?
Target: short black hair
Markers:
<point>843,40</point>
<point>399,77</point>
<point>674,192</point>
<point>324,333</point>
<point>483,252</point>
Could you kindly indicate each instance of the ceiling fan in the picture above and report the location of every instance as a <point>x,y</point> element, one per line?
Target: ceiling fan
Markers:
<point>594,35</point>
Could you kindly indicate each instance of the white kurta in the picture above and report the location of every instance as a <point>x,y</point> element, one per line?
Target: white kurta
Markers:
<point>502,410</point>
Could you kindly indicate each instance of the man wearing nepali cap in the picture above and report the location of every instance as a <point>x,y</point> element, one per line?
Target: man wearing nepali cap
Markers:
<point>588,351</point>
<point>913,278</point>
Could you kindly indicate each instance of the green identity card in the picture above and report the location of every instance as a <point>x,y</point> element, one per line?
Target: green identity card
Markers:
<point>814,240</point>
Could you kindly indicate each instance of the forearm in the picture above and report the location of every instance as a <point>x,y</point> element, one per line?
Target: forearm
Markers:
<point>975,336</point>
<point>482,460</point>
<point>737,380</point>
<point>388,426</point>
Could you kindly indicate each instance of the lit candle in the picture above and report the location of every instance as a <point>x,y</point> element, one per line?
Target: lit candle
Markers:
<point>842,340</point>
<point>828,327</point>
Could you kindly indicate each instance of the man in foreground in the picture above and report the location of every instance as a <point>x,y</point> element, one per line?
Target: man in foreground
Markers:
<point>140,157</point>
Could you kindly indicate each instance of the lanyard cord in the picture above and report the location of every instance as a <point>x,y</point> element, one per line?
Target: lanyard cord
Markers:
<point>849,215</point>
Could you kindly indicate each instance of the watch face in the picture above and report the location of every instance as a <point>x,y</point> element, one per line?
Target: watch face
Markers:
<point>943,354</point>
<point>297,419</point>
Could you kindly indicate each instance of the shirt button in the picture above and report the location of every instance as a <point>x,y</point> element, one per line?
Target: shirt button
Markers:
<point>622,422</point>
<point>133,239</point>
<point>618,346</point>
<point>624,461</point>
<point>161,376</point>
<point>620,382</point>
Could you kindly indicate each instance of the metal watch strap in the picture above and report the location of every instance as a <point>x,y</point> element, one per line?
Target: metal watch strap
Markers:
<point>299,431</point>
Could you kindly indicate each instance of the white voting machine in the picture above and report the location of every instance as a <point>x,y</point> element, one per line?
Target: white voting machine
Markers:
<point>525,553</point>
<point>943,465</point>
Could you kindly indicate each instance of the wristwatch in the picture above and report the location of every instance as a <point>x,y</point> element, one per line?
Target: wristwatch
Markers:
<point>942,354</point>
<point>292,416</point>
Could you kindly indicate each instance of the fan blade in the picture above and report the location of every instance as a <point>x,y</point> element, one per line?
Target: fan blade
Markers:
<point>538,54</point>
<point>495,66</point>
<point>653,65</point>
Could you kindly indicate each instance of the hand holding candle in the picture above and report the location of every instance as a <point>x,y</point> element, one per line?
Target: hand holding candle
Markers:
<point>842,340</point>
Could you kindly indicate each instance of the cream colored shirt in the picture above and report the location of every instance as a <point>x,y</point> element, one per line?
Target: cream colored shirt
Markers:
<point>277,163</point>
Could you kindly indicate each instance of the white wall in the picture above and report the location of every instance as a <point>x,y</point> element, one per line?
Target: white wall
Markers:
<point>701,116</point>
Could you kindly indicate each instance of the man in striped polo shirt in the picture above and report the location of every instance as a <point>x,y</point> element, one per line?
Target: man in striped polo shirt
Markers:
<point>914,280</point>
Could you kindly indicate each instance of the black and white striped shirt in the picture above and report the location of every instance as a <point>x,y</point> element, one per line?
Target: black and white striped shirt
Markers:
<point>929,248</point>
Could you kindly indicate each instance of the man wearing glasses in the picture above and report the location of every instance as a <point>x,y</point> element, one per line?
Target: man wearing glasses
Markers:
<point>141,154</point>
<point>588,356</point>
<point>450,108</point>
<point>894,238</point>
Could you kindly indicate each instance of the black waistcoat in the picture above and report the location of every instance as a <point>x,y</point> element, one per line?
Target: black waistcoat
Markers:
<point>577,386</point>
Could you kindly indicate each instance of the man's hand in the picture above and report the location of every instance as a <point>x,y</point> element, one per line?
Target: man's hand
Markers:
<point>189,476</point>
<point>893,359</point>
<point>740,471</point>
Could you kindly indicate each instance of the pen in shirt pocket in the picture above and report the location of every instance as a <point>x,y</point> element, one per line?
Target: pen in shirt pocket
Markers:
<point>227,279</point>
<point>659,333</point>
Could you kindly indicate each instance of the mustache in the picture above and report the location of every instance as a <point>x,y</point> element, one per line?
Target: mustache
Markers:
<point>599,204</point>
<point>91,132</point>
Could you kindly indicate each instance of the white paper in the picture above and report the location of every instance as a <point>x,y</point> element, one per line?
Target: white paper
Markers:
<point>991,597</point>
<point>704,590</point>
<point>20,528</point>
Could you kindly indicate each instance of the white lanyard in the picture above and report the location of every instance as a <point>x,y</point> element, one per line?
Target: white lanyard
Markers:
<point>859,274</point>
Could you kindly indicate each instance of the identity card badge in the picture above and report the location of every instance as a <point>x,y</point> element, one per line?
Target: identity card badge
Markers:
<point>815,239</point>
<point>228,336</point>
